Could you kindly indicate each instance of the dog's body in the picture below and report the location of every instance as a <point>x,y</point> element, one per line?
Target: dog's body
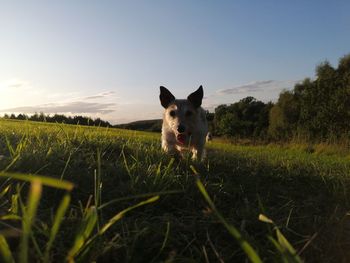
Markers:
<point>184,123</point>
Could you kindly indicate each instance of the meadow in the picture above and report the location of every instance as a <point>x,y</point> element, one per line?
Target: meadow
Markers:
<point>70,193</point>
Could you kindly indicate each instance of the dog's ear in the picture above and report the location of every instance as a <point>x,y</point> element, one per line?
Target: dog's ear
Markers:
<point>196,97</point>
<point>165,97</point>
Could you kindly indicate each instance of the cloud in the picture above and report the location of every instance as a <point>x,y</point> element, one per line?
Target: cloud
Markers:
<point>75,107</point>
<point>259,86</point>
<point>100,95</point>
<point>264,90</point>
<point>16,84</point>
<point>211,106</point>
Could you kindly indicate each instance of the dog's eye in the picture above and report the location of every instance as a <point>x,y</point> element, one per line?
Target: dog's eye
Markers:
<point>172,113</point>
<point>189,113</point>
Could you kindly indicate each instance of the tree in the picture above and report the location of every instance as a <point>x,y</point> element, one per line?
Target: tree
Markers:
<point>284,115</point>
<point>317,108</point>
<point>59,118</point>
<point>245,118</point>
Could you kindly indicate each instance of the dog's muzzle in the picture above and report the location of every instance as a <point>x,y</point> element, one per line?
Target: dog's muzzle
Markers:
<point>183,138</point>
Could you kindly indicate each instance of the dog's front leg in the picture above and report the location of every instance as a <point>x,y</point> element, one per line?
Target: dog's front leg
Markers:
<point>198,153</point>
<point>170,149</point>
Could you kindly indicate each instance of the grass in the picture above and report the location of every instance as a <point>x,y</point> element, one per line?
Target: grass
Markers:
<point>84,194</point>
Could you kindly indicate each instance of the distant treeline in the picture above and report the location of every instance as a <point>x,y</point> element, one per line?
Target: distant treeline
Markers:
<point>145,125</point>
<point>314,110</point>
<point>59,118</point>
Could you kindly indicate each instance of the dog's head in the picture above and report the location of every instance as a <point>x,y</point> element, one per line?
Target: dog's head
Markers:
<point>182,116</point>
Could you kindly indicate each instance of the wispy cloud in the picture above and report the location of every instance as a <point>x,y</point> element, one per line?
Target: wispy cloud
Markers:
<point>264,90</point>
<point>101,95</point>
<point>258,86</point>
<point>75,107</point>
<point>16,84</point>
<point>76,96</point>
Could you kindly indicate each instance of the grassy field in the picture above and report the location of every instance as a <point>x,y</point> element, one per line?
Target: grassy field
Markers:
<point>85,194</point>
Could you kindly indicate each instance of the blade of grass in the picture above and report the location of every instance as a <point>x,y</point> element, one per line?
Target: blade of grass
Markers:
<point>265,219</point>
<point>98,185</point>
<point>112,221</point>
<point>65,166</point>
<point>5,251</point>
<point>10,217</point>
<point>122,213</point>
<point>47,181</point>
<point>29,213</point>
<point>246,247</point>
<point>287,251</point>
<point>126,164</point>
<point>284,242</point>
<point>86,228</point>
<point>9,147</point>
<point>98,180</point>
<point>36,246</point>
<point>4,192</point>
<point>13,161</point>
<point>166,236</point>
<point>56,224</point>
<point>139,196</point>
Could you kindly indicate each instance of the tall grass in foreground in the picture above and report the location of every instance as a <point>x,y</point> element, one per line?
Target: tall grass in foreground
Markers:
<point>287,252</point>
<point>85,237</point>
<point>90,191</point>
<point>28,212</point>
<point>88,233</point>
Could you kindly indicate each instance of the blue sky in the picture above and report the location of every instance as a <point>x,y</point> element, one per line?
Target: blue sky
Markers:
<point>108,58</point>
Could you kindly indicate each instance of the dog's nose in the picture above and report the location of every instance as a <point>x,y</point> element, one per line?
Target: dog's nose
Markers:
<point>181,128</point>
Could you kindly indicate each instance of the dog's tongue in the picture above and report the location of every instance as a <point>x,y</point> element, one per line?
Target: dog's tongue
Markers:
<point>181,138</point>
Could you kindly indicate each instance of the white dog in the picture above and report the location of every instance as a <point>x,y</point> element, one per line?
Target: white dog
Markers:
<point>184,123</point>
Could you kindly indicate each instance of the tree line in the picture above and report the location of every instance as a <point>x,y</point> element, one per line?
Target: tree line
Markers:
<point>59,118</point>
<point>316,109</point>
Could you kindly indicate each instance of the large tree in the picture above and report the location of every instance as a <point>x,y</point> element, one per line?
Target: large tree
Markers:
<point>319,108</point>
<point>245,118</point>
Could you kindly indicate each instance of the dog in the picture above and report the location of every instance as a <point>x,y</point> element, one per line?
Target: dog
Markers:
<point>184,124</point>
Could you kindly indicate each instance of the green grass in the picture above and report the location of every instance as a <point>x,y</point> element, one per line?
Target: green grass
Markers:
<point>84,194</point>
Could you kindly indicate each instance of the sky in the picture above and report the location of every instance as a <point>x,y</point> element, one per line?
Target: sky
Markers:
<point>107,59</point>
